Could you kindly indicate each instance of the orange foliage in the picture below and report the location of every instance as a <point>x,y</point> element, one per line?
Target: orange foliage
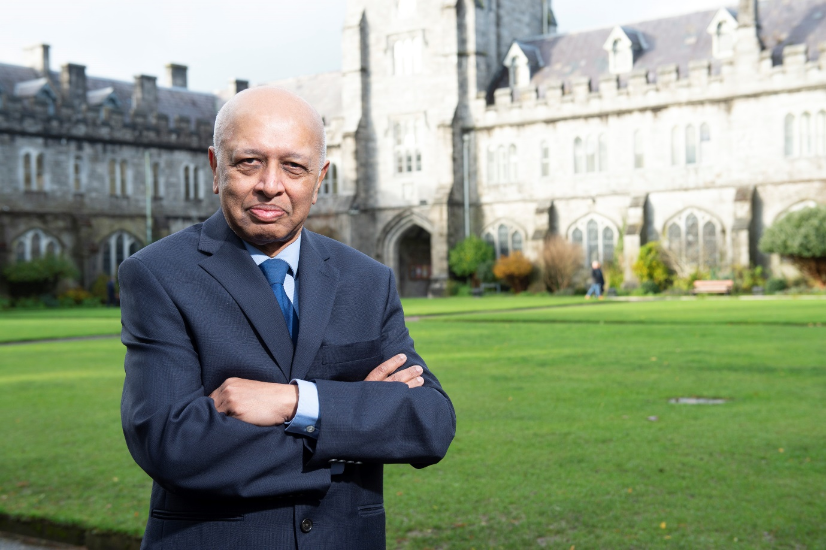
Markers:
<point>515,270</point>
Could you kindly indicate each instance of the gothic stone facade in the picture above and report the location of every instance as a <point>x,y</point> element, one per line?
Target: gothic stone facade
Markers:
<point>451,118</point>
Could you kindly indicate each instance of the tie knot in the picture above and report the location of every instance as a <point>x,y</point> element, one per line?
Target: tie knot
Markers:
<point>275,270</point>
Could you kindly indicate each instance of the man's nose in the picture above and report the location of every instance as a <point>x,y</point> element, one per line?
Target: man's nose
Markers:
<point>271,183</point>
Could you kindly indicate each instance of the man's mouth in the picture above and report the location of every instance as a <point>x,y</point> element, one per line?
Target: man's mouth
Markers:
<point>267,212</point>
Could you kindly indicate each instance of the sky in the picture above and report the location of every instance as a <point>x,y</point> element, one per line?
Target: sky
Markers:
<point>256,40</point>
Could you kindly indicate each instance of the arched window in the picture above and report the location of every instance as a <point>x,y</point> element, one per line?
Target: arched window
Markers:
<point>789,135</point>
<point>407,155</point>
<point>544,159</point>
<point>597,237</point>
<point>28,180</point>
<point>124,190</point>
<point>675,146</point>
<point>503,164</point>
<point>34,244</point>
<point>709,245</point>
<point>113,177</point>
<point>705,144</point>
<point>820,134</point>
<point>77,174</point>
<point>579,156</point>
<point>806,135</point>
<point>513,162</point>
<point>40,172</point>
<point>690,145</point>
<point>607,245</point>
<point>156,180</point>
<point>516,242</point>
<point>694,239</point>
<point>503,240</point>
<point>492,175</point>
<point>116,248</point>
<point>329,186</point>
<point>488,238</point>
<point>187,184</point>
<point>196,183</point>
<point>639,155</point>
<point>675,239</point>
<point>407,56</point>
<point>603,153</point>
<point>590,155</point>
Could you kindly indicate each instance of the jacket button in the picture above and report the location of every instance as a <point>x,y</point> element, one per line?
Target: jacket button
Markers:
<point>306,525</point>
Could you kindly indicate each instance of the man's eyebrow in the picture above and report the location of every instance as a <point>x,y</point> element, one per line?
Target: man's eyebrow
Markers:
<point>249,152</point>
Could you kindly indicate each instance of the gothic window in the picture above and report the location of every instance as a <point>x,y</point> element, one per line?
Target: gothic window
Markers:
<point>407,56</point>
<point>545,159</point>
<point>156,180</point>
<point>516,242</point>
<point>789,135</point>
<point>113,177</point>
<point>407,154</point>
<point>639,154</point>
<point>196,183</point>
<point>124,191</point>
<point>40,172</point>
<point>597,237</point>
<point>579,156</point>
<point>694,239</point>
<point>28,179</point>
<point>675,146</point>
<point>590,155</point>
<point>329,186</point>
<point>77,174</point>
<point>705,144</point>
<point>690,145</point>
<point>806,135</point>
<point>820,134</point>
<point>502,161</point>
<point>492,176</point>
<point>34,244</point>
<point>116,248</point>
<point>504,239</point>
<point>117,178</point>
<point>488,238</point>
<point>603,153</point>
<point>513,164</point>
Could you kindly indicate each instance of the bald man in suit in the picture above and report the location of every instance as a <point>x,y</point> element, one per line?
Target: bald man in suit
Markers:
<point>269,372</point>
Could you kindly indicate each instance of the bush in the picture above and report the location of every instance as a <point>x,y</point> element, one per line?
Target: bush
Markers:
<point>38,277</point>
<point>651,267</point>
<point>515,270</point>
<point>746,278</point>
<point>561,261</point>
<point>456,288</point>
<point>649,287</point>
<point>465,258</point>
<point>614,276</point>
<point>776,284</point>
<point>686,284</point>
<point>75,297</point>
<point>801,237</point>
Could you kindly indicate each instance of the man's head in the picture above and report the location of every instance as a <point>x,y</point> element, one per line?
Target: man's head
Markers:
<point>268,161</point>
<point>595,265</point>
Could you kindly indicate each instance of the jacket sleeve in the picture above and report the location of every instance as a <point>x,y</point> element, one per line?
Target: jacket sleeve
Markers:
<point>172,428</point>
<point>386,422</point>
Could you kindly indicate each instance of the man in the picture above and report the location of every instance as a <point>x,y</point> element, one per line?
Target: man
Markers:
<point>598,281</point>
<point>264,399</point>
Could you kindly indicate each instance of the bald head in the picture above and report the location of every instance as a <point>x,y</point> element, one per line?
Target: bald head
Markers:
<point>267,99</point>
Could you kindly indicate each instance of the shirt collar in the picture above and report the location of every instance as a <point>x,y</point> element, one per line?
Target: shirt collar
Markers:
<point>289,254</point>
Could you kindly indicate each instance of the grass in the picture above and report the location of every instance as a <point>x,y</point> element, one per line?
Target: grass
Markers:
<point>26,325</point>
<point>554,446</point>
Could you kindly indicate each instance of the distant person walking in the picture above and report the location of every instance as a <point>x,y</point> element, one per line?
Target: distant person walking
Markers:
<point>598,282</point>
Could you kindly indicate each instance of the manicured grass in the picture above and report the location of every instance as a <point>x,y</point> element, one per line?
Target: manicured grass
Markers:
<point>554,447</point>
<point>24,325</point>
<point>490,302</point>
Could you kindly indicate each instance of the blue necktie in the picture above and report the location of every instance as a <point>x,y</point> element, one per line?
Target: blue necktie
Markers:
<point>275,271</point>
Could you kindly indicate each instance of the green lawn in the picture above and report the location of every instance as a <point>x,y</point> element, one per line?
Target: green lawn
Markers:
<point>554,447</point>
<point>43,324</point>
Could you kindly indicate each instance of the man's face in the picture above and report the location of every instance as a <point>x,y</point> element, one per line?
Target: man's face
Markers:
<point>267,173</point>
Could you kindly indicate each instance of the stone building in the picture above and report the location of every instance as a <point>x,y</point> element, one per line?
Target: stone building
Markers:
<point>461,117</point>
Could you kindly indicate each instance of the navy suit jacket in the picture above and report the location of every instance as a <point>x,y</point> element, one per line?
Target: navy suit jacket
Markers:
<point>196,311</point>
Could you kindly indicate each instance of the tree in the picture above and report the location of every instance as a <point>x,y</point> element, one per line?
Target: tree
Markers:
<point>39,276</point>
<point>650,266</point>
<point>801,237</point>
<point>515,270</point>
<point>466,256</point>
<point>560,261</point>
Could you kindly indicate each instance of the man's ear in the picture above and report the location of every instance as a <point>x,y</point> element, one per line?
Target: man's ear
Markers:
<point>213,163</point>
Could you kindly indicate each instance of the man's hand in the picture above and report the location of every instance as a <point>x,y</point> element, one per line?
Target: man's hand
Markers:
<point>259,403</point>
<point>409,376</point>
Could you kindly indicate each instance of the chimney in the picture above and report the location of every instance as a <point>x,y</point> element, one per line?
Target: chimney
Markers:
<point>549,25</point>
<point>176,75</point>
<point>73,84</point>
<point>236,86</point>
<point>145,94</point>
<point>37,57</point>
<point>747,14</point>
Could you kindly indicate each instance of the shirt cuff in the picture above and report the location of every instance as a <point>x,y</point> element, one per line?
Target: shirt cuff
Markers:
<point>305,421</point>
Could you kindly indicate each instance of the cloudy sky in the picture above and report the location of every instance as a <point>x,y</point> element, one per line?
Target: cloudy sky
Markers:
<point>258,40</point>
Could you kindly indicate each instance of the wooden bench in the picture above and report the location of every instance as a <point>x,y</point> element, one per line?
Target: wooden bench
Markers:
<point>714,287</point>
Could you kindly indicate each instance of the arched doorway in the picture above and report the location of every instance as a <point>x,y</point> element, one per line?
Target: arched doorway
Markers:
<point>414,262</point>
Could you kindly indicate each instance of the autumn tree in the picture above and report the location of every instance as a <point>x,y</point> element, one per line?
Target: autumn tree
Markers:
<point>515,270</point>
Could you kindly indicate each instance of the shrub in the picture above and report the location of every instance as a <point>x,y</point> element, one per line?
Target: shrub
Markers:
<point>466,256</point>
<point>801,237</point>
<point>776,284</point>
<point>686,284</point>
<point>746,278</point>
<point>38,277</point>
<point>614,275</point>
<point>515,270</point>
<point>98,289</point>
<point>651,267</point>
<point>74,297</point>
<point>560,261</point>
<point>650,287</point>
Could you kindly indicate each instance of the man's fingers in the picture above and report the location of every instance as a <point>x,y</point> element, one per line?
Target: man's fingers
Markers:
<point>416,382</point>
<point>406,375</point>
<point>380,373</point>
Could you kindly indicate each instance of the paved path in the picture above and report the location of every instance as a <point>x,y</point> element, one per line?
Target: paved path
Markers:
<point>12,542</point>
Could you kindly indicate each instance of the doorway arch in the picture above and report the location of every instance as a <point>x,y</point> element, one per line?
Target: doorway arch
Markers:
<point>405,245</point>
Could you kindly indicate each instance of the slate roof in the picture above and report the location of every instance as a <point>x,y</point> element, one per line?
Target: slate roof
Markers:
<point>673,40</point>
<point>171,101</point>
<point>322,91</point>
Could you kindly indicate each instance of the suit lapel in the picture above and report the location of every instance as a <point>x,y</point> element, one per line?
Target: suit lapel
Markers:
<point>231,265</point>
<point>318,282</point>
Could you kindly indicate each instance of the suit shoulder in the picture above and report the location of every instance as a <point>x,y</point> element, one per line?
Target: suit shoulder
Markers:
<point>174,245</point>
<point>342,254</point>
